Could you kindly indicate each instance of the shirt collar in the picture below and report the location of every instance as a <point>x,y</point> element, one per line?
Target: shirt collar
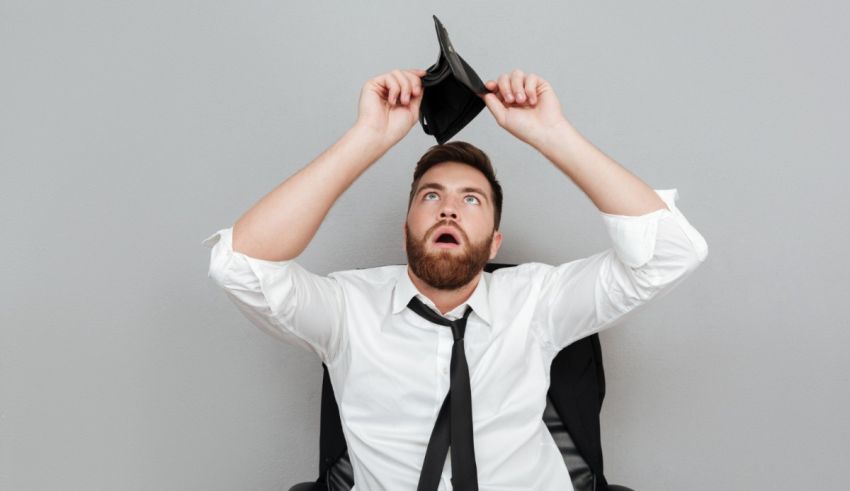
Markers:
<point>405,289</point>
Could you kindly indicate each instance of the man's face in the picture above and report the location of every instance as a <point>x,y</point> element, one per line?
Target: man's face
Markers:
<point>449,234</point>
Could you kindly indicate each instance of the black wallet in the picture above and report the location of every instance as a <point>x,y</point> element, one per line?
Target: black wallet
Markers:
<point>451,87</point>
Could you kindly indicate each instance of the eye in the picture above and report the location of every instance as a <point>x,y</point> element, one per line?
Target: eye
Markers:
<point>429,196</point>
<point>471,200</point>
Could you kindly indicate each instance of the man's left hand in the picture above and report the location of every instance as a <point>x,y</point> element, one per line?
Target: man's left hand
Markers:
<point>525,105</point>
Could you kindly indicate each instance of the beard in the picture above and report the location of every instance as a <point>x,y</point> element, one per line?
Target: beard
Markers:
<point>445,269</point>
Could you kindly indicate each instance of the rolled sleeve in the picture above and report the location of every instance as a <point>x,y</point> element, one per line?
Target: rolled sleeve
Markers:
<point>280,297</point>
<point>650,255</point>
<point>634,237</point>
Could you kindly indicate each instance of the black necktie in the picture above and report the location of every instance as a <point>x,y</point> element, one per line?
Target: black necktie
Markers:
<point>457,428</point>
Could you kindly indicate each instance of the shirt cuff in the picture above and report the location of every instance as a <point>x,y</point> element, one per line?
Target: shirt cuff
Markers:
<point>212,239</point>
<point>221,253</point>
<point>634,237</point>
<point>232,268</point>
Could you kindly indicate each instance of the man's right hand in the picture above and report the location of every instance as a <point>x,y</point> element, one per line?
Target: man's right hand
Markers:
<point>280,225</point>
<point>389,104</point>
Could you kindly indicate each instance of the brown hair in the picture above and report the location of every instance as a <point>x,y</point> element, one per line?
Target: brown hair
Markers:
<point>463,153</point>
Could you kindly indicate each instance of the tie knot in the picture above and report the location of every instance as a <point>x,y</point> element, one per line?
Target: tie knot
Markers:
<point>458,325</point>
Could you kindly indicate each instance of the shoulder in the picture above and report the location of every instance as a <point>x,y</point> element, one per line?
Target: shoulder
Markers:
<point>369,277</point>
<point>524,270</point>
<point>519,276</point>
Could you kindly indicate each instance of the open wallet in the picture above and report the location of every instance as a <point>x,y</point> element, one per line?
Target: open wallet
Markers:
<point>451,87</point>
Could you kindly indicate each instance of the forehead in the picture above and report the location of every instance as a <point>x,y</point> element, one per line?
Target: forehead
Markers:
<point>454,174</point>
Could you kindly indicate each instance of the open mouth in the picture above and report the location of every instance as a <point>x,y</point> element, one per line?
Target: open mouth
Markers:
<point>446,237</point>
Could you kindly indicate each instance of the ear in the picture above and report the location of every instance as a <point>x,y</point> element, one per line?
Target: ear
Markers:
<point>497,242</point>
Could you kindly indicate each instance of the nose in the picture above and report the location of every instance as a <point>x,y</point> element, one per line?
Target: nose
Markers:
<point>448,212</point>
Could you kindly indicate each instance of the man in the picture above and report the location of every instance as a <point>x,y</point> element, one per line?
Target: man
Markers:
<point>389,365</point>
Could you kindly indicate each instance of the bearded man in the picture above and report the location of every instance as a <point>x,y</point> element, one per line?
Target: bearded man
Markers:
<point>437,354</point>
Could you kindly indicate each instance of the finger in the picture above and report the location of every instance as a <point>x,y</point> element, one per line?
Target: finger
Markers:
<point>493,87</point>
<point>505,88</point>
<point>393,88</point>
<point>494,104</point>
<point>517,82</point>
<point>419,72</point>
<point>415,83</point>
<point>404,82</point>
<point>531,82</point>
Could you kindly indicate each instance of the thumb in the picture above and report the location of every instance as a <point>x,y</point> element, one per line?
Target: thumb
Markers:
<point>415,103</point>
<point>494,105</point>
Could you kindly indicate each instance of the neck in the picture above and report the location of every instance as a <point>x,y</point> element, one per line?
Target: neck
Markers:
<point>444,300</point>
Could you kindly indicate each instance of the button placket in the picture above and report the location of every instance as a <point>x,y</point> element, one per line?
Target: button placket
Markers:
<point>444,356</point>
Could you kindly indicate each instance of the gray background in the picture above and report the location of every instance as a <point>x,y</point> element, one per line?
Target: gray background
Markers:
<point>132,131</point>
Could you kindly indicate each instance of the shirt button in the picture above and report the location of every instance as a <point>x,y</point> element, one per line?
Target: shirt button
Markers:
<point>445,369</point>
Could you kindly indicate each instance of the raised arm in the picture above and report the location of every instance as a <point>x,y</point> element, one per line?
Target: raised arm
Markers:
<point>283,222</point>
<point>527,107</point>
<point>654,246</point>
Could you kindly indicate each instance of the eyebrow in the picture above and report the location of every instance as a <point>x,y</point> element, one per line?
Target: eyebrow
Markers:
<point>440,187</point>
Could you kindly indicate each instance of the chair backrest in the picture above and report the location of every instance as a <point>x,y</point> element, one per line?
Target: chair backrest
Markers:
<point>573,404</point>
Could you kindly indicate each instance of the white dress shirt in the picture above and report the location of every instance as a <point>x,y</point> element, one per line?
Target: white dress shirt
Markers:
<point>390,367</point>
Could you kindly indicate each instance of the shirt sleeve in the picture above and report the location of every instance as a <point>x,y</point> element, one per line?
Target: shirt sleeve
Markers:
<point>280,297</point>
<point>651,254</point>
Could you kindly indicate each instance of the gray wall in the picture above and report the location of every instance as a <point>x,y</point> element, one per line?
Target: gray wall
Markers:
<point>132,131</point>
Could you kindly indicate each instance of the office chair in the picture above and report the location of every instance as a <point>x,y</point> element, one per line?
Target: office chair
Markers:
<point>573,403</point>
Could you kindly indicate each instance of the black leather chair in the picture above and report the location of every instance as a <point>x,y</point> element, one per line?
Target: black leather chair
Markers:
<point>573,404</point>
